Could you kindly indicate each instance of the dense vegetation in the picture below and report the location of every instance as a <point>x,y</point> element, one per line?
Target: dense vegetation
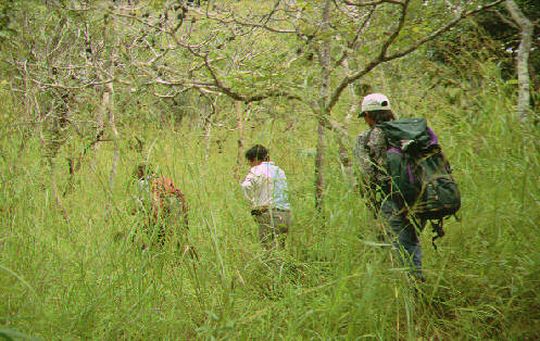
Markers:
<point>80,109</point>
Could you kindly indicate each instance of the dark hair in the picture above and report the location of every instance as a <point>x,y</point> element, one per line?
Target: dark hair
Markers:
<point>257,153</point>
<point>380,116</point>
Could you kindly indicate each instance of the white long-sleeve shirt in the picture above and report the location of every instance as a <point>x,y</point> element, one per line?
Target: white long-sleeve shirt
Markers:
<point>266,186</point>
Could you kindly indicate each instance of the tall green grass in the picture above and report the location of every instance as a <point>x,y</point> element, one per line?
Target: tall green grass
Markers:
<point>84,277</point>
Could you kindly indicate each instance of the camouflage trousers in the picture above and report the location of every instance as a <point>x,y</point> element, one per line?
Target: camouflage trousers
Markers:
<point>273,227</point>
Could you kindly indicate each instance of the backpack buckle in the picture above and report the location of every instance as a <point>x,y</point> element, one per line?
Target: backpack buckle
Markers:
<point>437,227</point>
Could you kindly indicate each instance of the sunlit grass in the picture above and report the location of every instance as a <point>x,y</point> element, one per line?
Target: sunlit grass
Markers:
<point>84,278</point>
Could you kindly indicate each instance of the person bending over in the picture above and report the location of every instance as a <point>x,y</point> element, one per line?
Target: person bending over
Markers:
<point>265,186</point>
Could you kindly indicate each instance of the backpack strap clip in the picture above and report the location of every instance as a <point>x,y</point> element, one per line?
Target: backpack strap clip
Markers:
<point>437,227</point>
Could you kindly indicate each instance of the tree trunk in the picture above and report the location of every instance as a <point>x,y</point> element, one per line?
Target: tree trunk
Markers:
<point>115,135</point>
<point>109,102</point>
<point>91,59</point>
<point>207,138</point>
<point>344,156</point>
<point>353,109</point>
<point>240,141</point>
<point>324,56</point>
<point>526,27</point>
<point>100,121</point>
<point>319,164</point>
<point>212,107</point>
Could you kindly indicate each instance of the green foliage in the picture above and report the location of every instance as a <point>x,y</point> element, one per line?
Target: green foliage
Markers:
<point>69,268</point>
<point>86,279</point>
<point>506,34</point>
<point>7,9</point>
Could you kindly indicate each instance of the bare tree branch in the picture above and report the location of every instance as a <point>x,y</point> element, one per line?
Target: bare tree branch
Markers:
<point>67,87</point>
<point>382,57</point>
<point>396,32</point>
<point>442,30</point>
<point>352,43</point>
<point>263,24</point>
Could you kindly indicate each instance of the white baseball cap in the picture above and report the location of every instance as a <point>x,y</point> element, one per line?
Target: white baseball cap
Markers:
<point>375,102</point>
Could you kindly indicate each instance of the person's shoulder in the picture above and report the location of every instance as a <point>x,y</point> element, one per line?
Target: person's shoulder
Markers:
<point>161,180</point>
<point>272,168</point>
<point>256,169</point>
<point>376,132</point>
<point>363,136</point>
<point>164,183</point>
<point>377,139</point>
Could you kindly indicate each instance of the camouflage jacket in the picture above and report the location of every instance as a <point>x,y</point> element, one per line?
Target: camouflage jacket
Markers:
<point>370,155</point>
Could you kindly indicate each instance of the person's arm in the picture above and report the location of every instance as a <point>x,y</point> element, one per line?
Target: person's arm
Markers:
<point>377,149</point>
<point>248,183</point>
<point>251,185</point>
<point>370,152</point>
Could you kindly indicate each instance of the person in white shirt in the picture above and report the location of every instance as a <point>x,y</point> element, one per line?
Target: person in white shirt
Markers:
<point>265,187</point>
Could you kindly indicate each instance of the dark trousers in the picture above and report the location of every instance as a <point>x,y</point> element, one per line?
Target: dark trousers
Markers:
<point>404,235</point>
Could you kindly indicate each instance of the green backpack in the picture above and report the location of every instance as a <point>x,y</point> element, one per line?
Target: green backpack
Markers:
<point>420,175</point>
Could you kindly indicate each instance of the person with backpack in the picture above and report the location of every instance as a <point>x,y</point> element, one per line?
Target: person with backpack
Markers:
<point>265,186</point>
<point>405,177</point>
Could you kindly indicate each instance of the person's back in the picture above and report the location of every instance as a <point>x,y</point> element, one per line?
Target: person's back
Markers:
<point>371,154</point>
<point>266,188</point>
<point>169,203</point>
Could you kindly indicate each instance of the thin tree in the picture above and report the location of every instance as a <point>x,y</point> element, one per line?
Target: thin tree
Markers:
<point>522,59</point>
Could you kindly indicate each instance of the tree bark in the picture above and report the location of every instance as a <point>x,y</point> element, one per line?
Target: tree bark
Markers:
<point>207,138</point>
<point>212,107</point>
<point>91,59</point>
<point>240,140</point>
<point>344,157</point>
<point>109,102</point>
<point>526,27</point>
<point>109,88</point>
<point>100,122</point>
<point>319,167</point>
<point>324,55</point>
